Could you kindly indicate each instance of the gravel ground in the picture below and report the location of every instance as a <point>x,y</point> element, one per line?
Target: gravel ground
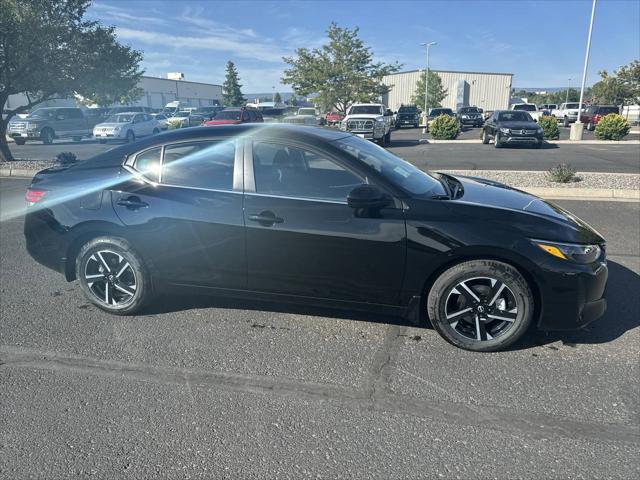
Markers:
<point>624,181</point>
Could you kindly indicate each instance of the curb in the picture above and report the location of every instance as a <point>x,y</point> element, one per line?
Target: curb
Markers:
<point>544,192</point>
<point>554,142</point>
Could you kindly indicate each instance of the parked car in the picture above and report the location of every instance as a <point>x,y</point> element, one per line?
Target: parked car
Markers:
<point>372,121</point>
<point>319,215</point>
<point>333,118</point>
<point>95,115</point>
<point>162,119</point>
<point>436,112</point>
<point>470,116</point>
<point>508,127</point>
<point>233,116</point>
<point>186,118</point>
<point>407,115</point>
<point>274,114</point>
<point>547,108</point>
<point>128,109</point>
<point>304,116</point>
<point>567,113</point>
<point>126,126</point>
<point>47,124</point>
<point>208,112</point>
<point>532,108</point>
<point>593,113</point>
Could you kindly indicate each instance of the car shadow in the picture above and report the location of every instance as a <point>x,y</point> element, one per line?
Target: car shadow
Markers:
<point>622,315</point>
<point>409,142</point>
<point>545,146</point>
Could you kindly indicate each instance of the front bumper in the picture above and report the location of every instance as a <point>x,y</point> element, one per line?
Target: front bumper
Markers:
<point>573,299</point>
<point>513,139</point>
<point>472,121</point>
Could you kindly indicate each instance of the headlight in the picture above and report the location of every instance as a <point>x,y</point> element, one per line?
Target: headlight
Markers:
<point>539,130</point>
<point>116,129</point>
<point>465,116</point>
<point>505,130</point>
<point>571,251</point>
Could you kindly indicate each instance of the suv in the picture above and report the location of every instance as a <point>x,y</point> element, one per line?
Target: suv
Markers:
<point>470,116</point>
<point>567,113</point>
<point>532,108</point>
<point>547,108</point>
<point>408,115</point>
<point>369,120</point>
<point>594,113</point>
<point>46,124</point>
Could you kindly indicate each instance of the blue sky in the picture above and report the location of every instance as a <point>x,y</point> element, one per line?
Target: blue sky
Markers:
<point>541,42</point>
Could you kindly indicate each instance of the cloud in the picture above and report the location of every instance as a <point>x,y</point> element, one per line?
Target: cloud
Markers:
<point>108,13</point>
<point>252,50</point>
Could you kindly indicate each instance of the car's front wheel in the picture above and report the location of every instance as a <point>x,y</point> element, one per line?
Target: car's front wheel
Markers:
<point>497,143</point>
<point>113,276</point>
<point>481,305</point>
<point>131,137</point>
<point>485,137</point>
<point>19,141</point>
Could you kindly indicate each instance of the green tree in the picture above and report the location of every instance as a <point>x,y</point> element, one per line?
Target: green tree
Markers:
<point>340,72</point>
<point>293,101</point>
<point>629,76</point>
<point>48,51</point>
<point>277,98</point>
<point>609,90</point>
<point>231,88</point>
<point>437,92</point>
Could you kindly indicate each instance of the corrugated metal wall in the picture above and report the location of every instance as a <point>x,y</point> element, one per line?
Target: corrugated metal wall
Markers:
<point>490,91</point>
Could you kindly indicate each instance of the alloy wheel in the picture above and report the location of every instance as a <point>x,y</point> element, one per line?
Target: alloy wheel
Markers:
<point>481,308</point>
<point>110,278</point>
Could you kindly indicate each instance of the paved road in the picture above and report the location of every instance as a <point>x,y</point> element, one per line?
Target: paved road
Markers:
<point>618,158</point>
<point>224,389</point>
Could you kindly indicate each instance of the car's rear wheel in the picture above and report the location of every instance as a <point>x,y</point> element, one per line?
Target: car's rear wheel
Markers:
<point>156,131</point>
<point>485,137</point>
<point>481,305</point>
<point>47,136</point>
<point>589,126</point>
<point>565,122</point>
<point>112,275</point>
<point>131,137</point>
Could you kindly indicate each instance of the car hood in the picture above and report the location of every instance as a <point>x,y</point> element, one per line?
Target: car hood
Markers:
<point>222,122</point>
<point>488,193</point>
<point>363,116</point>
<point>111,125</point>
<point>518,125</point>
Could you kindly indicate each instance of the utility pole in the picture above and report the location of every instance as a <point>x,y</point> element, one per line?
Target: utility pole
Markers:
<point>566,98</point>
<point>425,113</point>
<point>577,128</point>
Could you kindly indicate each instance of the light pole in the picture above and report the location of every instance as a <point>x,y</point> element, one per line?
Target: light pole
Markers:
<point>566,98</point>
<point>426,85</point>
<point>576,128</point>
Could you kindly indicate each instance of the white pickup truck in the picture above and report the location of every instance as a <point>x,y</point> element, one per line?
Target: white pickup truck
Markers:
<point>532,108</point>
<point>567,113</point>
<point>369,120</point>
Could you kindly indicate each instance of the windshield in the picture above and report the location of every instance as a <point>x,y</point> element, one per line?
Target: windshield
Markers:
<point>440,111</point>
<point>41,113</point>
<point>396,170</point>
<point>571,105</point>
<point>525,107</point>
<point>120,118</point>
<point>514,116</point>
<point>365,109</point>
<point>469,110</point>
<point>307,111</point>
<point>606,110</point>
<point>407,110</point>
<point>228,115</point>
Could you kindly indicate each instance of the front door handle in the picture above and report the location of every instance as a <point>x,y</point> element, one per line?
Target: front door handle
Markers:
<point>132,203</point>
<point>266,218</point>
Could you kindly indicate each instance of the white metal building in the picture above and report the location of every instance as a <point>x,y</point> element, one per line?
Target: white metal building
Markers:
<point>157,93</point>
<point>489,91</point>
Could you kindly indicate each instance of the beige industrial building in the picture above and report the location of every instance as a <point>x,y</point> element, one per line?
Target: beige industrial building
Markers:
<point>489,91</point>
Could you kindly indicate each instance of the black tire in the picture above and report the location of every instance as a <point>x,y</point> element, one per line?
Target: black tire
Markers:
<point>131,137</point>
<point>565,122</point>
<point>463,330</point>
<point>416,125</point>
<point>102,141</point>
<point>156,131</point>
<point>110,249</point>
<point>538,144</point>
<point>47,136</point>
<point>19,141</point>
<point>485,137</point>
<point>497,143</point>
<point>387,139</point>
<point>77,139</point>
<point>589,126</point>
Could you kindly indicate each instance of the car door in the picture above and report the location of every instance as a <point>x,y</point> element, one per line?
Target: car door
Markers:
<point>302,237</point>
<point>182,205</point>
<point>63,125</point>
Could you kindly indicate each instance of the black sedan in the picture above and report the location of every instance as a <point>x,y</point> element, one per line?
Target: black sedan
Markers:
<point>314,216</point>
<point>509,127</point>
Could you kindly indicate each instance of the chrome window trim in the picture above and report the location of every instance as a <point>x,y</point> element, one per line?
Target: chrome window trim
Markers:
<point>141,177</point>
<point>304,199</point>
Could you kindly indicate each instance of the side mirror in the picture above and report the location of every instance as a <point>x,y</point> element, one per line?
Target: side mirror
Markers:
<point>367,196</point>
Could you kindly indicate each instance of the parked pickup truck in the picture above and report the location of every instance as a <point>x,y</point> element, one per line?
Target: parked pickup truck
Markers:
<point>532,108</point>
<point>369,120</point>
<point>46,124</point>
<point>567,113</point>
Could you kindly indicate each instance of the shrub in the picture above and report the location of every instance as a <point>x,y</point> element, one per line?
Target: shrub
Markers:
<point>562,173</point>
<point>550,127</point>
<point>172,124</point>
<point>444,127</point>
<point>612,127</point>
<point>66,158</point>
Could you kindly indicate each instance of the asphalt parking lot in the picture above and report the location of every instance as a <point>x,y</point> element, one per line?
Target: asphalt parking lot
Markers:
<point>614,158</point>
<point>227,389</point>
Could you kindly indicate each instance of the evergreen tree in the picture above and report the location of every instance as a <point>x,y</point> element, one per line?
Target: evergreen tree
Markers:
<point>293,101</point>
<point>277,98</point>
<point>437,92</point>
<point>231,88</point>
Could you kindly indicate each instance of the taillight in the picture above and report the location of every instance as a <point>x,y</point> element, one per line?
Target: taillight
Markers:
<point>596,118</point>
<point>34,196</point>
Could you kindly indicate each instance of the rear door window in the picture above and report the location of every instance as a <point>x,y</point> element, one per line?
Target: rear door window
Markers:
<point>148,163</point>
<point>200,164</point>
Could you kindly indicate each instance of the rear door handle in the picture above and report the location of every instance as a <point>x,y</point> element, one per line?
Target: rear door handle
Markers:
<point>266,218</point>
<point>132,203</point>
